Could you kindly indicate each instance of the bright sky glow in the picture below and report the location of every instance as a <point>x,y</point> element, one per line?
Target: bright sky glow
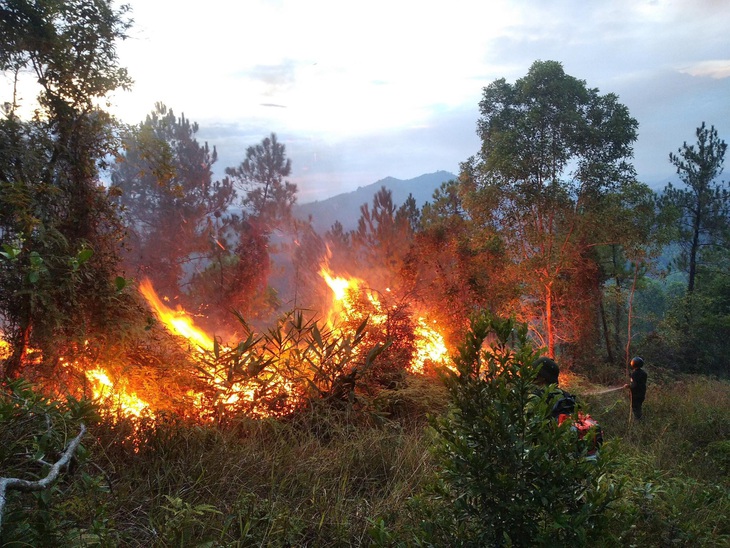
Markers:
<point>358,91</point>
<point>327,67</point>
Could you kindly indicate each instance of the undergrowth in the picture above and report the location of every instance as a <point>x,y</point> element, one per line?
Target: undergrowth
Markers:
<point>329,478</point>
<point>674,463</point>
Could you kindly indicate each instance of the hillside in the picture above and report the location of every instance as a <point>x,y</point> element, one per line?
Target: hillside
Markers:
<point>346,207</point>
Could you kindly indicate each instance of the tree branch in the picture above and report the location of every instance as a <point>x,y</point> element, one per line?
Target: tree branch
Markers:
<point>39,485</point>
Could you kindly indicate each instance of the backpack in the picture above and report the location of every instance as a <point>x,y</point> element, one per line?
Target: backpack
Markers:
<point>583,424</point>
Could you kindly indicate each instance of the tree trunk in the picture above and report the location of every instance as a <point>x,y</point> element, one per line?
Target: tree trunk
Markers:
<point>549,320</point>
<point>630,313</point>
<point>20,344</point>
<point>618,279</point>
<point>606,335</point>
<point>693,252</point>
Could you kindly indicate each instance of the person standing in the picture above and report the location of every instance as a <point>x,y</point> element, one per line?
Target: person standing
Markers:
<point>637,386</point>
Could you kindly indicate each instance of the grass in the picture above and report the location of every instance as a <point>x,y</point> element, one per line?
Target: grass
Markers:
<point>322,480</point>
<point>277,486</point>
<point>673,463</point>
<point>333,479</point>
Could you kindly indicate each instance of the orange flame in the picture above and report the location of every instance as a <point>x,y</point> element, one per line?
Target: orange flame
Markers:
<point>5,350</point>
<point>177,321</point>
<point>180,323</point>
<point>430,345</point>
<point>104,389</point>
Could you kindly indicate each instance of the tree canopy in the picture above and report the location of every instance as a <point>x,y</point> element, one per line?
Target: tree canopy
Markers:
<point>703,205</point>
<point>552,148</point>
<point>57,228</point>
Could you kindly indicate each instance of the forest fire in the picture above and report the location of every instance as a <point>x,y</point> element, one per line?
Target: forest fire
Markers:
<point>244,388</point>
<point>177,321</point>
<point>429,343</point>
<point>105,390</point>
<point>268,374</point>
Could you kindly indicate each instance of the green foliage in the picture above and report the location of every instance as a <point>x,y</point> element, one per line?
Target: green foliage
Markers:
<point>58,230</point>
<point>182,521</point>
<point>672,464</point>
<point>320,478</point>
<point>288,367</point>
<point>512,476</point>
<point>36,430</point>
<point>703,206</point>
<point>71,45</point>
<point>691,335</point>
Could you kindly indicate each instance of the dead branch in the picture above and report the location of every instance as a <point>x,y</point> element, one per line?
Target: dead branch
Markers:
<point>39,485</point>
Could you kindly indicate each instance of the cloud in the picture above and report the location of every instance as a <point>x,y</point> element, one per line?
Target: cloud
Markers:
<point>281,74</point>
<point>716,69</point>
<point>389,88</point>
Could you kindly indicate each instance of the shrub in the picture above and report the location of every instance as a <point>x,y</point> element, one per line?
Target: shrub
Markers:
<point>509,474</point>
<point>35,433</point>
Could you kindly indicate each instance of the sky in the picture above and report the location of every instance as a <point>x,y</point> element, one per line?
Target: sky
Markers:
<point>359,91</point>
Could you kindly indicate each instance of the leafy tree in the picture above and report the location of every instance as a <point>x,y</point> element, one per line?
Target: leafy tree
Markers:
<point>459,264</point>
<point>58,230</point>
<point>636,237</point>
<point>551,150</point>
<point>174,209</point>
<point>703,205</point>
<point>510,475</point>
<point>383,238</point>
<point>268,197</point>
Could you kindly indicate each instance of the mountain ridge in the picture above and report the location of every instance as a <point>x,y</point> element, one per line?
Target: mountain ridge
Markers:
<point>345,207</point>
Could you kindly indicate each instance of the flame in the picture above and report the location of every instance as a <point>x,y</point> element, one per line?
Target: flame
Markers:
<point>343,290</point>
<point>430,345</point>
<point>180,323</point>
<point>5,350</point>
<point>177,321</point>
<point>348,297</point>
<point>104,389</point>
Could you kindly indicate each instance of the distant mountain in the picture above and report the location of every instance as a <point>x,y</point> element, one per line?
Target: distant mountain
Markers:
<point>346,207</point>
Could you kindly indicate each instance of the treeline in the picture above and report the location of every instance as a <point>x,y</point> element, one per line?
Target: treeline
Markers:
<point>547,222</point>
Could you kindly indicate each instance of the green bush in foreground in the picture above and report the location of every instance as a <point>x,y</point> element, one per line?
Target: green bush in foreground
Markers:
<point>510,475</point>
<point>34,432</point>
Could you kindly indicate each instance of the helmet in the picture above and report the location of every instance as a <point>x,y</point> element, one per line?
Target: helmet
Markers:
<point>549,370</point>
<point>637,362</point>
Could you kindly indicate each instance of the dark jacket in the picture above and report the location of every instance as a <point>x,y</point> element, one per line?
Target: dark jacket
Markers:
<point>638,385</point>
<point>559,401</point>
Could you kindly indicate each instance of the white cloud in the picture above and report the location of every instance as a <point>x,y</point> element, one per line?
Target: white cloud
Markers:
<point>717,69</point>
<point>356,72</point>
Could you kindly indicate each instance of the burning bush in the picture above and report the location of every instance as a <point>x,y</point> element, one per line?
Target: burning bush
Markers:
<point>364,341</point>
